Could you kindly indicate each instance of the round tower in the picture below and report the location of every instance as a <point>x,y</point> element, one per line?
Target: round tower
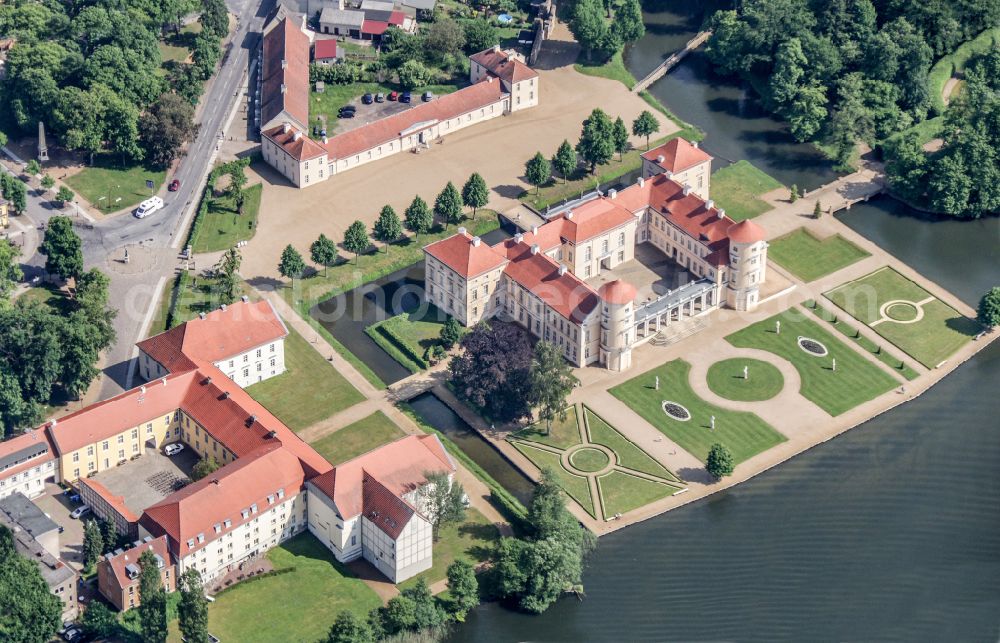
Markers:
<point>747,264</point>
<point>617,324</point>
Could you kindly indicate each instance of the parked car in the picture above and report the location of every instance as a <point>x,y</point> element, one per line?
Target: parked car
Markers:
<point>80,512</point>
<point>349,113</point>
<point>427,96</point>
<point>367,99</point>
<point>174,185</point>
<point>405,97</point>
<point>72,634</point>
<point>148,207</point>
<point>346,108</point>
<point>380,97</point>
<point>393,95</point>
<point>173,449</point>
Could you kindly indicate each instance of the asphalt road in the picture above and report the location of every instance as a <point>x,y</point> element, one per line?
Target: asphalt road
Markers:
<point>154,242</point>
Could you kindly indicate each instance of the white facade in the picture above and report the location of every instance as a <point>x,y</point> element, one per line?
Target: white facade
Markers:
<point>30,481</point>
<point>404,557</point>
<point>255,365</point>
<point>301,173</point>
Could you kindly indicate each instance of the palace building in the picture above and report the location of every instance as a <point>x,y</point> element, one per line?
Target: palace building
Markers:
<point>541,278</point>
<point>501,83</point>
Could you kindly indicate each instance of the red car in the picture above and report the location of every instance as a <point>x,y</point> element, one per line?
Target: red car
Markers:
<point>174,185</point>
<point>393,95</point>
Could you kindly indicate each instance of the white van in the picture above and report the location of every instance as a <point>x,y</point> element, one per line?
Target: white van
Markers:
<point>148,207</point>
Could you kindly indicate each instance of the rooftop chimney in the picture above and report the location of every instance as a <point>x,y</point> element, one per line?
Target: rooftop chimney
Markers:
<point>164,380</point>
<point>462,230</point>
<point>225,395</point>
<point>518,238</point>
<point>215,481</point>
<point>244,299</point>
<point>694,143</point>
<point>284,88</point>
<point>286,127</point>
<point>709,204</point>
<point>142,390</point>
<point>201,315</point>
<point>534,248</point>
<point>53,422</point>
<point>612,193</point>
<point>284,64</point>
<point>324,140</point>
<point>670,175</point>
<point>297,135</point>
<point>251,420</point>
<point>534,229</point>
<point>569,214</point>
<point>641,181</point>
<point>476,241</point>
<point>562,270</point>
<point>222,307</point>
<point>687,189</point>
<point>722,213</point>
<point>660,158</point>
<point>208,380</point>
<point>496,47</point>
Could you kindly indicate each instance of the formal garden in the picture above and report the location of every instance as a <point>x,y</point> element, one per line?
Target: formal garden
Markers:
<point>921,325</point>
<point>664,397</point>
<point>731,379</point>
<point>808,257</point>
<point>737,189</point>
<point>833,376</point>
<point>598,467</point>
<point>355,439</point>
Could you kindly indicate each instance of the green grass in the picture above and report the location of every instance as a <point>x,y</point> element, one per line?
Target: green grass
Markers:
<point>471,540</point>
<point>855,336</point>
<point>745,434</point>
<point>927,130</point>
<point>334,97</point>
<point>613,69</point>
<point>764,380</point>
<point>809,258</point>
<point>564,433</point>
<point>49,296</point>
<point>222,226</point>
<point>930,341</point>
<point>310,390</point>
<point>629,455</point>
<point>589,460</point>
<point>954,64</point>
<point>687,130</point>
<point>406,337</point>
<point>736,188</point>
<point>855,381</point>
<point>623,492</point>
<point>107,177</point>
<point>357,438</point>
<point>300,605</point>
<point>575,486</point>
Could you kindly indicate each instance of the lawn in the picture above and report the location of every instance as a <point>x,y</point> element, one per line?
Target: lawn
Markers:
<point>954,64</point>
<point>854,335</point>
<point>745,434</point>
<point>357,438</point>
<point>299,605</point>
<point>736,187</point>
<point>222,226</point>
<point>575,486</point>
<point>327,104</point>
<point>471,540</point>
<point>310,389</point>
<point>106,180</point>
<point>763,380</point>
<point>178,47</point>
<point>629,455</point>
<point>406,337</point>
<point>49,296</point>
<point>931,340</point>
<point>623,492</point>
<point>563,434</point>
<point>194,295</point>
<point>809,258</point>
<point>614,69</point>
<point>855,381</point>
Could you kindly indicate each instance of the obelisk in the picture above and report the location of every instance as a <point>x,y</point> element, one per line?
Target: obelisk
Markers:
<point>43,149</point>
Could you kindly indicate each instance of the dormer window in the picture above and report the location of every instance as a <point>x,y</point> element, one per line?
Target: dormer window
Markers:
<point>201,538</point>
<point>190,543</point>
<point>228,523</point>
<point>281,493</point>
<point>245,513</point>
<point>218,527</point>
<point>270,499</point>
<point>253,508</point>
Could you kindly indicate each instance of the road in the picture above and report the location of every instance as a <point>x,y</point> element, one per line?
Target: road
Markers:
<point>154,242</point>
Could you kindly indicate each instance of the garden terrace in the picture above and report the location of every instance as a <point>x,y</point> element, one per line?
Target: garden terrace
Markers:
<point>808,257</point>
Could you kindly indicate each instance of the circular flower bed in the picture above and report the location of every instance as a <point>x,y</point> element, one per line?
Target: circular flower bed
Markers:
<point>676,411</point>
<point>901,311</point>
<point>812,346</point>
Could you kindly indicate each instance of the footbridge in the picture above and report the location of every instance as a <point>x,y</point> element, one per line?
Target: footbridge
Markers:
<point>669,63</point>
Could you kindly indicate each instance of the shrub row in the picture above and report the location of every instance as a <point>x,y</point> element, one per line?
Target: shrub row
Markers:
<point>253,579</point>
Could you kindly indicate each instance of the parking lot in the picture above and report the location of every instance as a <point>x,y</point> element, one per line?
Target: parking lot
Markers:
<point>325,107</point>
<point>58,506</point>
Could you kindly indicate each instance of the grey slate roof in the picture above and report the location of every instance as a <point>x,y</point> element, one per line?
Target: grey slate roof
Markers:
<point>16,509</point>
<point>333,16</point>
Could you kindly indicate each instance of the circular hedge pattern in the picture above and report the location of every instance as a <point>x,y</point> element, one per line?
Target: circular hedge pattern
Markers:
<point>589,460</point>
<point>725,379</point>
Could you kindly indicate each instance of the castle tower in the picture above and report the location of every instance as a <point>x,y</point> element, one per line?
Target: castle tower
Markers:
<point>747,264</point>
<point>617,324</point>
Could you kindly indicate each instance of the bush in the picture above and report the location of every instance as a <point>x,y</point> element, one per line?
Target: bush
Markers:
<point>414,74</point>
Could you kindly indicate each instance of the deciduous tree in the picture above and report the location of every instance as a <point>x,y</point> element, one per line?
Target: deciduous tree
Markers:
<point>588,24</point>
<point>323,252</point>
<point>628,24</point>
<point>451,333</point>
<point>153,606</point>
<point>99,622</point>
<point>417,217</point>
<point>565,161</point>
<point>388,228</point>
<point>720,461</point>
<point>205,466</point>
<point>989,308</point>
<point>229,278</point>
<point>475,194</point>
<point>93,543</point>
<point>30,611</point>
<point>443,500</point>
<point>448,205</point>
<point>463,587</point>
<point>552,381</point>
<point>10,269</point>
<point>493,370</point>
<point>192,611</point>
<point>645,125</point>
<point>619,135</point>
<point>356,239</point>
<point>480,35</point>
<point>537,171</point>
<point>164,128</point>
<point>62,249</point>
<point>348,628</point>
<point>596,144</point>
<point>291,265</point>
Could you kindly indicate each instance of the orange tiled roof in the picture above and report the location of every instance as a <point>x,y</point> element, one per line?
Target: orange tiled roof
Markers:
<point>380,132</point>
<point>617,292</point>
<point>678,155</point>
<point>300,148</point>
<point>117,502</point>
<point>567,294</point>
<point>131,556</point>
<point>468,259</point>
<point>594,218</point>
<point>35,441</point>
<point>388,512</point>
<point>746,231</point>
<point>285,62</point>
<point>503,65</point>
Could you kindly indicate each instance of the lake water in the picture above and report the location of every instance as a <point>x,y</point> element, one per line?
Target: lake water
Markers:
<point>890,532</point>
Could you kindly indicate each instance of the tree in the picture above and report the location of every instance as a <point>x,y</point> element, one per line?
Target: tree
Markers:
<point>818,210</point>
<point>153,605</point>
<point>720,461</point>
<point>47,181</point>
<point>463,587</point>
<point>443,500</point>
<point>619,135</point>
<point>989,308</point>
<point>475,194</point>
<point>237,181</point>
<point>99,622</point>
<point>356,239</point>
<point>64,195</point>
<point>31,613</point>
<point>451,333</point>
<point>448,205</point>
<point>417,217</point>
<point>480,35</point>
<point>793,193</point>
<point>565,161</point>
<point>552,381</point>
<point>109,535</point>
<point>205,466</point>
<point>588,24</point>
<point>596,144</point>
<point>15,192</point>
<point>291,265</point>
<point>164,128</point>
<point>62,248</point>
<point>348,628</point>
<point>93,544</point>
<point>388,227</point>
<point>214,17</point>
<point>33,168</point>
<point>493,370</point>
<point>443,37</point>
<point>229,279</point>
<point>323,251</point>
<point>628,25</point>
<point>413,74</point>
<point>537,170</point>
<point>192,611</point>
<point>10,269</point>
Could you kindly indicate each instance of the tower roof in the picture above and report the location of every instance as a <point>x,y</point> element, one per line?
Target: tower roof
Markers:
<point>618,292</point>
<point>746,231</point>
<point>677,155</point>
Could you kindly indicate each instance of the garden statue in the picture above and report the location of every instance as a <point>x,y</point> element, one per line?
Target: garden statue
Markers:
<point>657,382</point>
<point>712,421</point>
<point>746,372</point>
<point>777,326</point>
